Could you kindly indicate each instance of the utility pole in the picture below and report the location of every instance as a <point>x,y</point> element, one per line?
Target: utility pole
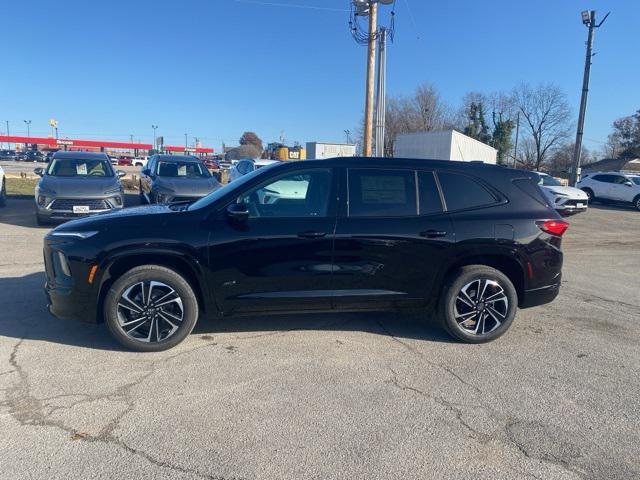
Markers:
<point>8,134</point>
<point>155,146</point>
<point>589,20</point>
<point>371,70</point>
<point>186,142</point>
<point>381,93</point>
<point>515,148</point>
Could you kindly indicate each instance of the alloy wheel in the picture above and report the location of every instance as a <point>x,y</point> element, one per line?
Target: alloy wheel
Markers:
<point>150,311</point>
<point>481,306</point>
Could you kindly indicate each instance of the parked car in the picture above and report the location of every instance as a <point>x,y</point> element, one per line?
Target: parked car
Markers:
<point>3,189</point>
<point>248,165</point>
<point>473,241</point>
<point>32,156</point>
<point>611,187</point>
<point>49,156</point>
<point>125,161</point>
<point>20,156</point>
<point>566,200</point>
<point>140,161</point>
<point>76,184</point>
<point>212,165</point>
<point>175,178</point>
<point>7,154</point>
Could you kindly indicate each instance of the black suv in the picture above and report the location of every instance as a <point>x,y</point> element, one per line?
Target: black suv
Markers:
<point>473,241</point>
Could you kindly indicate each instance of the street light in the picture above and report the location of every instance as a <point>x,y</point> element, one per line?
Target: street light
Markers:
<point>186,141</point>
<point>28,122</point>
<point>155,127</point>
<point>586,17</point>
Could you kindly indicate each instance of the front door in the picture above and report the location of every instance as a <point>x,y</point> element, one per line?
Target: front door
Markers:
<point>280,257</point>
<point>390,239</point>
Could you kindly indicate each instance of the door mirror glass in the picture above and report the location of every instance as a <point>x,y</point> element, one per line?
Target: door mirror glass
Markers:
<point>39,171</point>
<point>238,212</point>
<point>121,173</point>
<point>628,183</point>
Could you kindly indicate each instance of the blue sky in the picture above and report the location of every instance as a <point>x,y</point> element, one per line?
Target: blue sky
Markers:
<point>214,68</point>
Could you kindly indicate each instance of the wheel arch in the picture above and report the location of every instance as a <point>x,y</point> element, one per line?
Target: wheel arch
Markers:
<point>117,266</point>
<point>503,262</point>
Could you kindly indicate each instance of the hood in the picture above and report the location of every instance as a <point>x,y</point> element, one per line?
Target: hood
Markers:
<point>187,186</point>
<point>571,192</point>
<point>76,187</point>
<point>146,213</point>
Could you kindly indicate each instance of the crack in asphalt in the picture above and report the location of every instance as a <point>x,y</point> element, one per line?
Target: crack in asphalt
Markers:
<point>30,411</point>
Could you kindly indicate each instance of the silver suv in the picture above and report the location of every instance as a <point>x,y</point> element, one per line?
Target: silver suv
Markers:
<point>76,184</point>
<point>612,187</point>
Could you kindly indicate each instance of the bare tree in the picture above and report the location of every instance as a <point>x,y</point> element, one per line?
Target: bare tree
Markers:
<point>547,117</point>
<point>424,111</point>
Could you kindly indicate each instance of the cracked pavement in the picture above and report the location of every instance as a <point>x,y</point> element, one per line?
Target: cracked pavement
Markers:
<point>338,396</point>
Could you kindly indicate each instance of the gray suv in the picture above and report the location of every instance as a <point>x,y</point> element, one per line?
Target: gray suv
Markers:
<point>175,178</point>
<point>76,184</point>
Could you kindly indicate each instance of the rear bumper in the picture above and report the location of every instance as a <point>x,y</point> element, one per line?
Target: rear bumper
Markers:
<point>540,296</point>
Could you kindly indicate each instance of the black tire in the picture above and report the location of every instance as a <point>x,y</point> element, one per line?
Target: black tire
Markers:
<point>636,202</point>
<point>591,197</point>
<point>451,309</point>
<point>3,193</point>
<point>152,319</point>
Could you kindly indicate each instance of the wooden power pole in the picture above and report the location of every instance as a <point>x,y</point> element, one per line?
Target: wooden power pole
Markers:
<point>371,73</point>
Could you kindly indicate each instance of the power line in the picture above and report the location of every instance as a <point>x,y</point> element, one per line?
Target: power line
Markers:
<point>413,19</point>
<point>291,5</point>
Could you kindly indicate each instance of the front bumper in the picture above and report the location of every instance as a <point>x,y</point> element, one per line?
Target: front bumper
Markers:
<point>66,304</point>
<point>52,212</point>
<point>571,206</point>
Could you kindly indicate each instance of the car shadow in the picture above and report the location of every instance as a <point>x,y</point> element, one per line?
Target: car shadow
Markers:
<point>20,211</point>
<point>24,315</point>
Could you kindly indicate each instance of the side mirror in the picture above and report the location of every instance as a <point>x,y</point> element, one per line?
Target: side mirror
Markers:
<point>629,183</point>
<point>146,172</point>
<point>39,171</point>
<point>121,173</point>
<point>238,212</point>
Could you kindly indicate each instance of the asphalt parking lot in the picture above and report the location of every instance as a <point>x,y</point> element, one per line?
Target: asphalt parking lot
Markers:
<point>340,396</point>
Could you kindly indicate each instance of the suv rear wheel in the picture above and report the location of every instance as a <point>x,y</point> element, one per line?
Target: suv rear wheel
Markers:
<point>150,308</point>
<point>478,304</point>
<point>636,202</point>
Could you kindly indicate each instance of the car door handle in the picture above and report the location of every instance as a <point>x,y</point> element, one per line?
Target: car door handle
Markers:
<point>433,234</point>
<point>311,234</point>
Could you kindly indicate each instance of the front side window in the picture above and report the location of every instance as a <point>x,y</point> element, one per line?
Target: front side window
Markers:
<point>382,193</point>
<point>604,178</point>
<point>77,167</point>
<point>462,192</point>
<point>293,195</point>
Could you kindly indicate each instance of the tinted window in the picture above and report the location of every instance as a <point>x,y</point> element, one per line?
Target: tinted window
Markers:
<point>604,178</point>
<point>461,191</point>
<point>382,193</point>
<point>428,194</point>
<point>301,194</point>
<point>619,179</point>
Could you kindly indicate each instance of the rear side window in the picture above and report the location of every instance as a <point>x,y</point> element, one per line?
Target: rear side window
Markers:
<point>429,197</point>
<point>531,189</point>
<point>462,192</point>
<point>603,178</point>
<point>382,193</point>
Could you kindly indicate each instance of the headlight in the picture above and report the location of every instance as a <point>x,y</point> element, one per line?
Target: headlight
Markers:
<point>559,193</point>
<point>81,235</point>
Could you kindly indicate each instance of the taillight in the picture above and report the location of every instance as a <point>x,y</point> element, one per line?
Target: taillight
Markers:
<point>553,227</point>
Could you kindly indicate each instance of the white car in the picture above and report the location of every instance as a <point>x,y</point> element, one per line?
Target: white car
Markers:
<point>566,200</point>
<point>612,186</point>
<point>3,189</point>
<point>140,162</point>
<point>247,165</point>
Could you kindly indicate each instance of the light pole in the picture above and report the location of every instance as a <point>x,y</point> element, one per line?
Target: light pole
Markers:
<point>589,20</point>
<point>348,135</point>
<point>155,127</point>
<point>8,134</point>
<point>186,141</point>
<point>28,123</point>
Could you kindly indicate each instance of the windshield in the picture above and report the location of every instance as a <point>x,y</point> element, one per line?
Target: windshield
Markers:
<point>79,167</point>
<point>548,181</point>
<point>635,180</point>
<point>176,169</point>
<point>221,192</point>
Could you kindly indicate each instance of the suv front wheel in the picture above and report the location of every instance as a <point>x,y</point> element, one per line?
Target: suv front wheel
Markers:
<point>150,308</point>
<point>478,304</point>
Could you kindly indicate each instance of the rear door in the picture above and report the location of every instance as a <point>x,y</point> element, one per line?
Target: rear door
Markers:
<point>391,236</point>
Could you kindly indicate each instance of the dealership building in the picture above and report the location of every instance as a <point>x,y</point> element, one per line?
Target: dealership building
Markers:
<point>47,144</point>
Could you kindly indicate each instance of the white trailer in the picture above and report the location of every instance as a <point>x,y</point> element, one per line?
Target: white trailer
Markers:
<point>321,151</point>
<point>443,145</point>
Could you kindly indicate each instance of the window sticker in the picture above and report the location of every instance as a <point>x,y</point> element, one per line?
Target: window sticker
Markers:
<point>81,168</point>
<point>182,171</point>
